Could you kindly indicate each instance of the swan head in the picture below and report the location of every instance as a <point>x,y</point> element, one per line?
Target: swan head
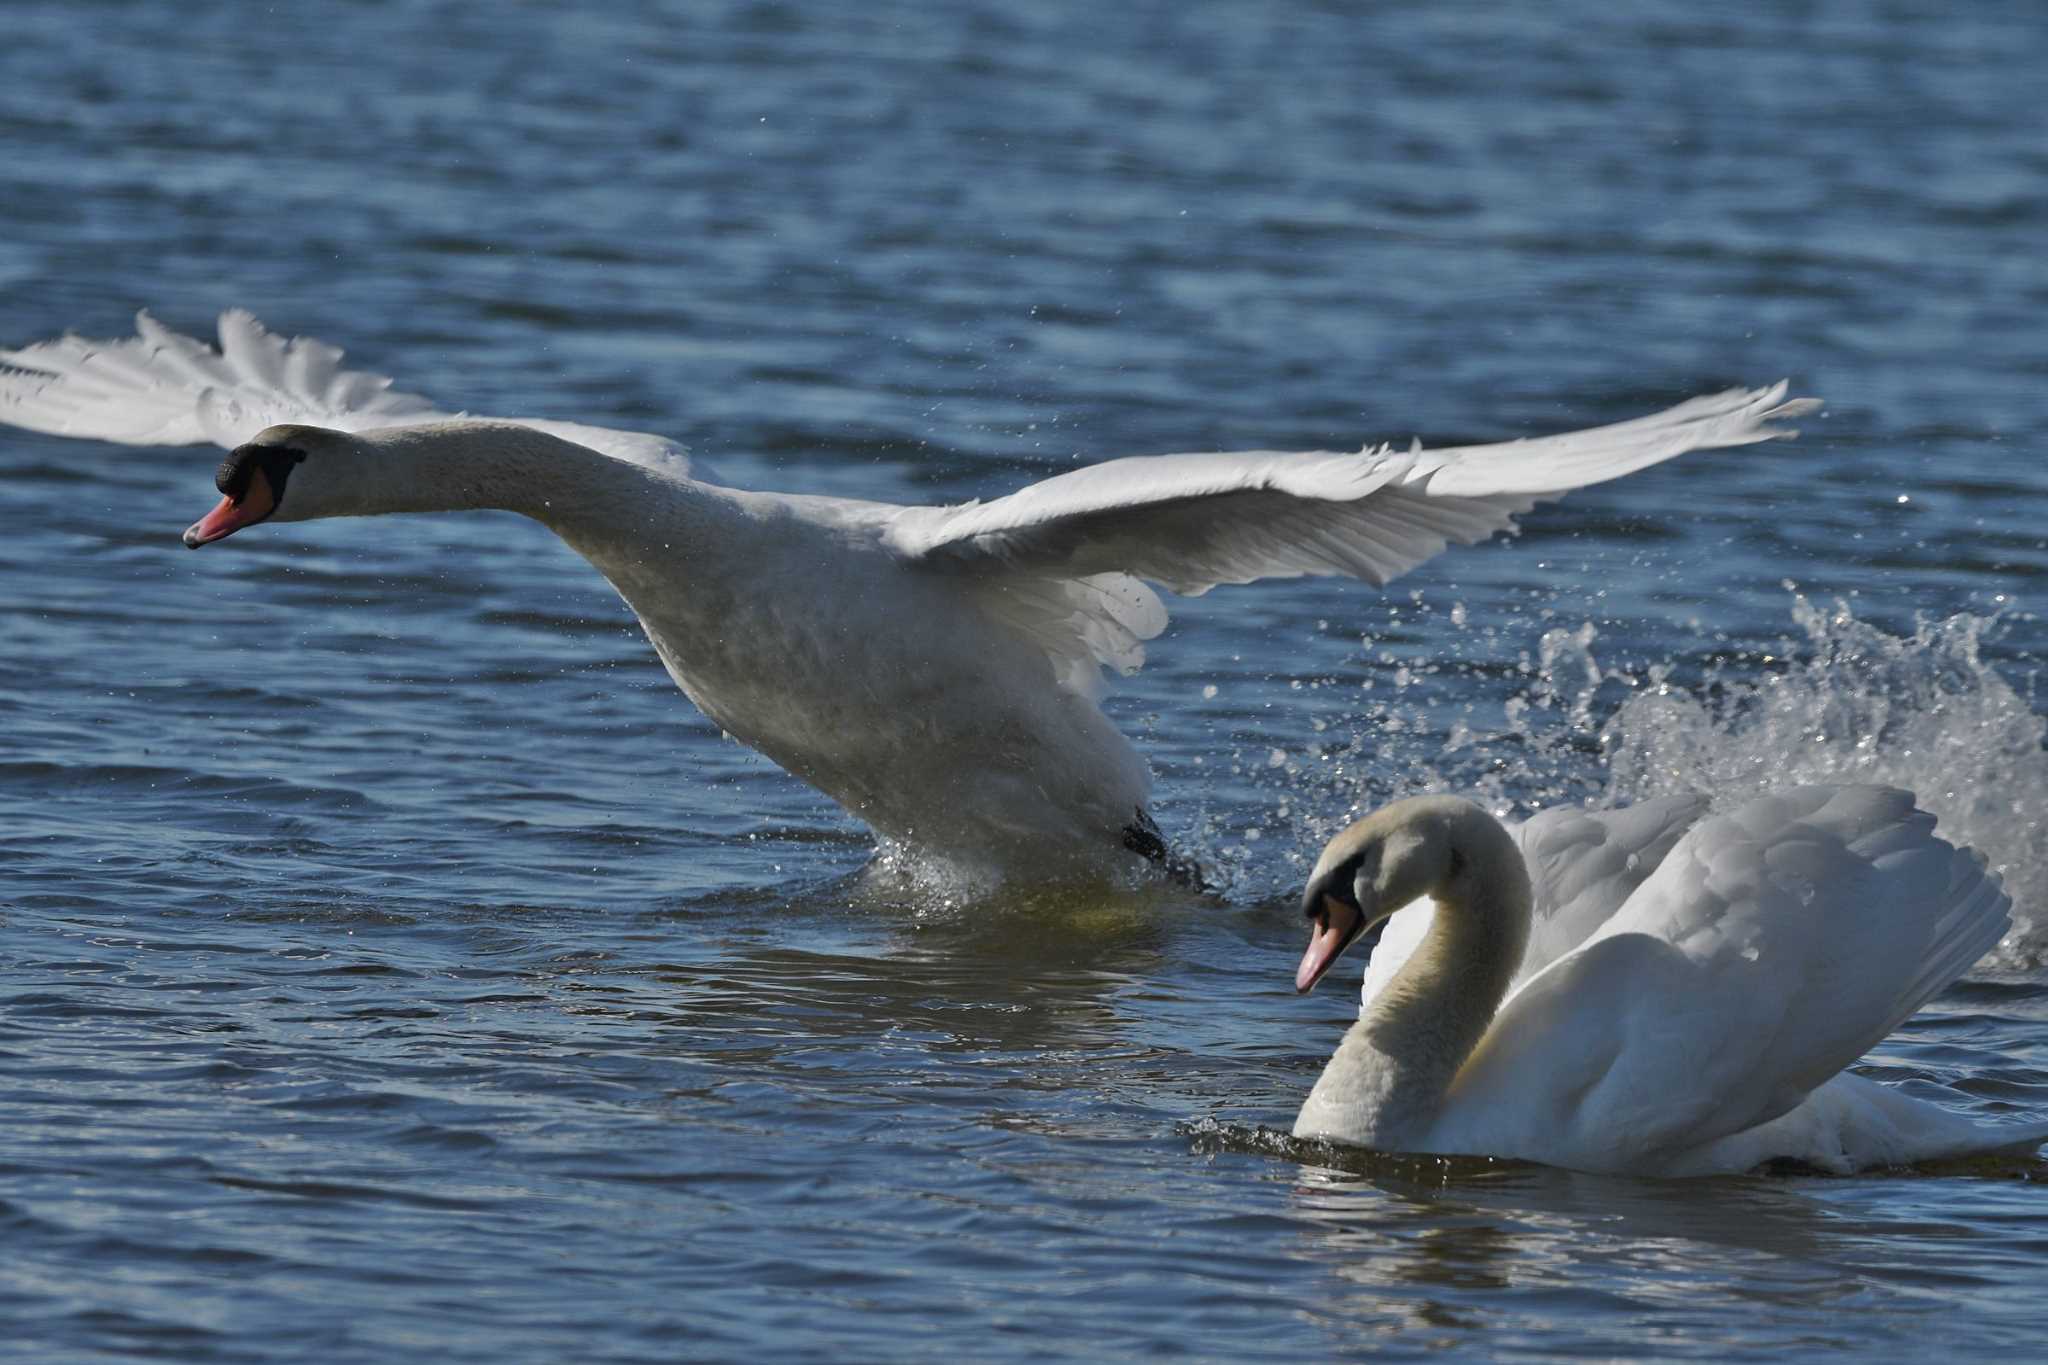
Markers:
<point>254,478</point>
<point>1418,847</point>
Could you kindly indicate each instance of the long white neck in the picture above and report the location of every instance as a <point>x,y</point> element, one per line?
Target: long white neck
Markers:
<point>467,465</point>
<point>640,525</point>
<point>1387,1081</point>
<point>687,556</point>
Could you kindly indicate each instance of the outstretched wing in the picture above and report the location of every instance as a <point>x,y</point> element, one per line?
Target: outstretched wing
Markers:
<point>162,387</point>
<point>1065,560</point>
<point>1190,522</point>
<point>1771,949</point>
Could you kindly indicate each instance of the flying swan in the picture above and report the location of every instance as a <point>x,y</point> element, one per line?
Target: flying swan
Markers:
<point>934,670</point>
<point>1656,991</point>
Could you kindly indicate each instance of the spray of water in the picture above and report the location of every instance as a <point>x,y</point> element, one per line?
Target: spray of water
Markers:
<point>1842,700</point>
<point>1854,703</point>
<point>1838,700</point>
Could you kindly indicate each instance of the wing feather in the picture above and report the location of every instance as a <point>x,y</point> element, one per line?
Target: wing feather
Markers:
<point>161,387</point>
<point>1074,546</point>
<point>1772,947</point>
<point>1583,867</point>
<point>1191,522</point>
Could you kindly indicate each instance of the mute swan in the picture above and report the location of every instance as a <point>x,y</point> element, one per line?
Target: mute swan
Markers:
<point>935,670</point>
<point>1699,1026</point>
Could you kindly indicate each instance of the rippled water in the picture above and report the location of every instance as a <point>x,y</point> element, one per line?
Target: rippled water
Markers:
<point>392,964</point>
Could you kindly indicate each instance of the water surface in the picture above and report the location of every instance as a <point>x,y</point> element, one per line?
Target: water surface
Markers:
<point>392,963</point>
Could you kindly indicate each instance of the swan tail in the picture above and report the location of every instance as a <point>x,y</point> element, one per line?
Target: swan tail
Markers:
<point>161,387</point>
<point>1854,1123</point>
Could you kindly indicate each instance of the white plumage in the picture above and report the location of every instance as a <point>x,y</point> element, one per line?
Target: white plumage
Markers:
<point>934,669</point>
<point>1692,986</point>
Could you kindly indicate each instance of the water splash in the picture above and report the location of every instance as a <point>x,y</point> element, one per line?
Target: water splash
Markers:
<point>1842,700</point>
<point>921,880</point>
<point>934,886</point>
<point>1855,703</point>
<point>1517,737</point>
<point>1336,1162</point>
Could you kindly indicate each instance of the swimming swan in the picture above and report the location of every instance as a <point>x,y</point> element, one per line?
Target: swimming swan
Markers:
<point>1700,1024</point>
<point>935,670</point>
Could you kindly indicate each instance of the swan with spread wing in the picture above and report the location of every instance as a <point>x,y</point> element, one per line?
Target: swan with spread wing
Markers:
<point>935,670</point>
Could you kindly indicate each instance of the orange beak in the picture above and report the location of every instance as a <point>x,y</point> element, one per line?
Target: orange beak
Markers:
<point>256,503</point>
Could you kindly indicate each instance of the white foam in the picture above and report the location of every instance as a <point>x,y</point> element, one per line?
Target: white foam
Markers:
<point>1855,703</point>
<point>1841,700</point>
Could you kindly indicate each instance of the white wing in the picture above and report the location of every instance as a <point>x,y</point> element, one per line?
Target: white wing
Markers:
<point>1584,865</point>
<point>161,387</point>
<point>1083,624</point>
<point>1772,948</point>
<point>1190,522</point>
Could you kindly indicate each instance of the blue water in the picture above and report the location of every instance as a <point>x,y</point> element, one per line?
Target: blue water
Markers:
<point>392,964</point>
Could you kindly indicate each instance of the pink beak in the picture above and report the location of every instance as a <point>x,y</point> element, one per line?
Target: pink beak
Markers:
<point>1335,926</point>
<point>256,503</point>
